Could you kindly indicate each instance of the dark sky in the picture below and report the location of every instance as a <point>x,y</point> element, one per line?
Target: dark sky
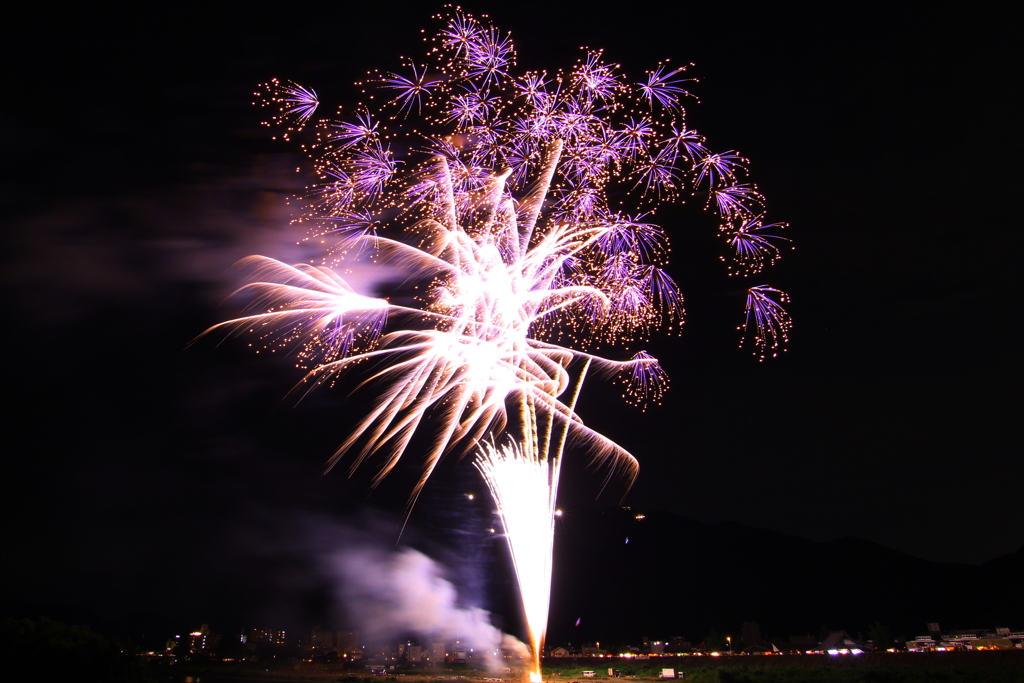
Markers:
<point>142,473</point>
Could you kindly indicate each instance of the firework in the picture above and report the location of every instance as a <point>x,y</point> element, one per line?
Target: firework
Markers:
<point>477,341</point>
<point>293,104</point>
<point>771,323</point>
<point>523,486</point>
<point>754,247</point>
<point>500,197</point>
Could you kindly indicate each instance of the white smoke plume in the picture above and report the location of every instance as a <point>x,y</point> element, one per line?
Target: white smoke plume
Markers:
<point>392,593</point>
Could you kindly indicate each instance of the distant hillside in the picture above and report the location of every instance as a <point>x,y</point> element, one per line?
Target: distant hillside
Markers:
<point>674,577</point>
<point>625,577</point>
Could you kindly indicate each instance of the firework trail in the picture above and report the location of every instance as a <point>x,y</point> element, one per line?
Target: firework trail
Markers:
<point>523,485</point>
<point>501,196</point>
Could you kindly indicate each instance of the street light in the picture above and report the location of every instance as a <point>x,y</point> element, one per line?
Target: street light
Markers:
<point>728,639</point>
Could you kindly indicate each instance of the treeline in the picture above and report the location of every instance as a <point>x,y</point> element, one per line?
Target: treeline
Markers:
<point>48,650</point>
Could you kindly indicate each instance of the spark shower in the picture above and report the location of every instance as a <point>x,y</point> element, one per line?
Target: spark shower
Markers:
<point>519,206</point>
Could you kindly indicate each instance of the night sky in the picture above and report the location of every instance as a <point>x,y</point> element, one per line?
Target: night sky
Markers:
<point>141,474</point>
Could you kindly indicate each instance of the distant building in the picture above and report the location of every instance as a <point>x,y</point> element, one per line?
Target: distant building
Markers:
<point>840,640</point>
<point>347,643</point>
<point>921,643</point>
<point>993,644</point>
<point>198,643</point>
<point>751,634</point>
<point>970,639</point>
<point>266,636</point>
<point>321,639</point>
<point>679,644</point>
<point>795,644</point>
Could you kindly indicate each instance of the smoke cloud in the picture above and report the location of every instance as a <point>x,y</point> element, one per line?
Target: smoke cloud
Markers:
<point>388,593</point>
<point>393,593</point>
